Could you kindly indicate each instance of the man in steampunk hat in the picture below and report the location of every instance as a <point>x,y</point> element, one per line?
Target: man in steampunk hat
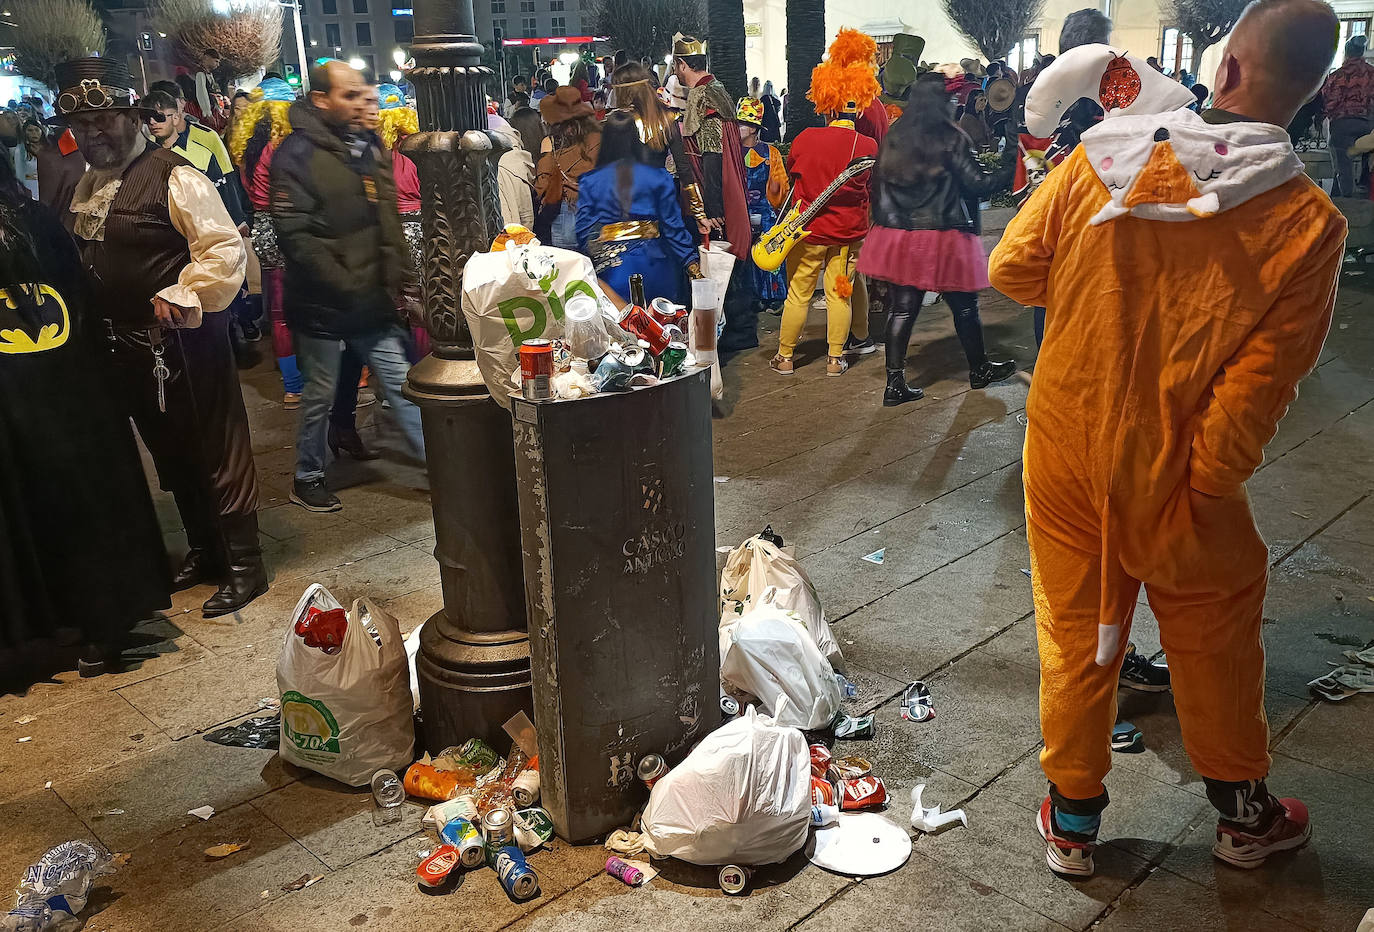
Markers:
<point>164,260</point>
<point>711,140</point>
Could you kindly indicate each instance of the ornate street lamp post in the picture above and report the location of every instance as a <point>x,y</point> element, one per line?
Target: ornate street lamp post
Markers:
<point>474,660</point>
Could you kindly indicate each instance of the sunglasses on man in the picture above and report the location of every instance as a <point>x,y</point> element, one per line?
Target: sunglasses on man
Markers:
<point>159,117</point>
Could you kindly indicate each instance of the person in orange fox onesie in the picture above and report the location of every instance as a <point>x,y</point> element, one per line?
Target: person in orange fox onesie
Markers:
<point>1190,271</point>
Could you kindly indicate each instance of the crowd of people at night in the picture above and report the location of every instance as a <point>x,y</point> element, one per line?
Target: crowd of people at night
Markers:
<point>151,233</point>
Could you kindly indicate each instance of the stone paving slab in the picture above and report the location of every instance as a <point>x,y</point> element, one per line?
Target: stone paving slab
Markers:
<point>1166,900</point>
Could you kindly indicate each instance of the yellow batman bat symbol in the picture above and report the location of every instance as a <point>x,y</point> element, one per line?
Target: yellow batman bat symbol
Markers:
<point>50,336</point>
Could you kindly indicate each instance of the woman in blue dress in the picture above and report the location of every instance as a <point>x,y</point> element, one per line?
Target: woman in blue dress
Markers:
<point>765,182</point>
<point>628,218</point>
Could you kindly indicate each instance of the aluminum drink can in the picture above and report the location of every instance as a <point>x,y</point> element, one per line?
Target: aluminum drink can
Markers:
<point>651,767</point>
<point>533,827</point>
<point>666,312</point>
<point>475,752</point>
<point>525,789</point>
<point>729,705</point>
<point>862,792</point>
<point>536,371</point>
<point>464,836</point>
<point>627,874</point>
<point>515,873</point>
<point>613,374</point>
<point>670,363</point>
<point>637,321</point>
<point>497,827</point>
<point>633,356</point>
<point>734,879</point>
<point>434,870</point>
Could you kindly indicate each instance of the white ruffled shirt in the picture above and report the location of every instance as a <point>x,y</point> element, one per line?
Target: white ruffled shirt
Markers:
<point>211,280</point>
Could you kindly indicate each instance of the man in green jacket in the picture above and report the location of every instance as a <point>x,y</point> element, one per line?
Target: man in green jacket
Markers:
<point>334,206</point>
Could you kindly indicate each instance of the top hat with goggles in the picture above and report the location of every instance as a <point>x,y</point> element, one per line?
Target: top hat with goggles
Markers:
<point>87,85</point>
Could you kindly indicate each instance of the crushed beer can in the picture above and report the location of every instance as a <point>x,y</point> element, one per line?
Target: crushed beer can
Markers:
<point>533,827</point>
<point>436,868</point>
<point>666,312</point>
<point>651,768</point>
<point>478,755</point>
<point>498,828</point>
<point>466,837</point>
<point>734,879</point>
<point>862,793</point>
<point>917,705</point>
<point>729,705</point>
<point>644,326</point>
<point>847,727</point>
<point>671,361</point>
<point>613,373</point>
<point>515,873</point>
<point>525,789</point>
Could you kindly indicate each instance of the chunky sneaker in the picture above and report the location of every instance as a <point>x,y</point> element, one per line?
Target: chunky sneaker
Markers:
<point>1063,855</point>
<point>1287,827</point>
<point>836,365</point>
<point>781,364</point>
<point>856,347</point>
<point>1137,672</point>
<point>314,495</point>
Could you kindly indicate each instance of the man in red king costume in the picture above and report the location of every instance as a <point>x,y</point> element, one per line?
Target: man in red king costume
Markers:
<point>842,87</point>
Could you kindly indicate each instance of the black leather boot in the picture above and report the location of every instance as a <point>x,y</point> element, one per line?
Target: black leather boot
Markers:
<point>247,579</point>
<point>897,391</point>
<point>990,372</point>
<point>204,561</point>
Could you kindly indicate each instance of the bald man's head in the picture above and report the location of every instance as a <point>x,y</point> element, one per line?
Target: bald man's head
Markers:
<point>337,91</point>
<point>1276,57</point>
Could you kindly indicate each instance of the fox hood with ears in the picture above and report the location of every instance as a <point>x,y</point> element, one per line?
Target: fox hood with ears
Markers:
<point>1176,166</point>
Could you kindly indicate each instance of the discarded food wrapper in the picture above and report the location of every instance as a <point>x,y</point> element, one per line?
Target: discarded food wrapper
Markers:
<point>850,768</point>
<point>460,807</point>
<point>931,819</point>
<point>820,760</point>
<point>917,705</point>
<point>429,782</point>
<point>263,731</point>
<point>54,890</point>
<point>858,728</point>
<point>877,556</point>
<point>1344,682</point>
<point>860,844</point>
<point>1127,739</point>
<point>1365,656</point>
<point>201,812</point>
<point>215,852</point>
<point>862,793</point>
<point>301,882</point>
<point>822,791</point>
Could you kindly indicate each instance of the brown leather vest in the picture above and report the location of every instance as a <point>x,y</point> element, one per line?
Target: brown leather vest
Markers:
<point>142,252</point>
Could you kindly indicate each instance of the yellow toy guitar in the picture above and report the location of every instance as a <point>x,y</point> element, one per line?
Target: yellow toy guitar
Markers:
<point>771,250</point>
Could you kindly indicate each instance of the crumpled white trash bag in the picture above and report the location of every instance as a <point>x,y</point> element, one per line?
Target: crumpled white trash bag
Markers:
<point>743,796</point>
<point>768,653</point>
<point>759,572</point>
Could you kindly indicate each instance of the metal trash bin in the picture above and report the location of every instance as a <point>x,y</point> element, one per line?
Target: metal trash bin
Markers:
<point>617,515</point>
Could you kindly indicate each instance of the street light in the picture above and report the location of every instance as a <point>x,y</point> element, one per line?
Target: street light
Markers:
<point>395,77</point>
<point>399,57</point>
<point>356,63</point>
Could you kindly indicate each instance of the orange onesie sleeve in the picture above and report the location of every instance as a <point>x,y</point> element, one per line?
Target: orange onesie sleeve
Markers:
<point>1019,266</point>
<point>777,171</point>
<point>1254,388</point>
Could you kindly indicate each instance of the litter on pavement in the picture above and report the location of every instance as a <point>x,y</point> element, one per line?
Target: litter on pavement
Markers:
<point>931,819</point>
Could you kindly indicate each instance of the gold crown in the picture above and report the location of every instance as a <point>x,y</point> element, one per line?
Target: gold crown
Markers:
<point>688,45</point>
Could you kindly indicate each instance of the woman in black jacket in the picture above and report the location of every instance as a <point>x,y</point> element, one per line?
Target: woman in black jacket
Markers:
<point>925,192</point>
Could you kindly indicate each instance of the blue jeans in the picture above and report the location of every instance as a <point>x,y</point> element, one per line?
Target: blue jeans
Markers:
<point>384,351</point>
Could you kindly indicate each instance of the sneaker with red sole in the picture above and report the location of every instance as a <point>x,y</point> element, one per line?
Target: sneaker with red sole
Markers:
<point>1290,827</point>
<point>1064,856</point>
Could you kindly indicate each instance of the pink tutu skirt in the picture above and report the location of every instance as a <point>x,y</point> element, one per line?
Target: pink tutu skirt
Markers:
<point>932,260</point>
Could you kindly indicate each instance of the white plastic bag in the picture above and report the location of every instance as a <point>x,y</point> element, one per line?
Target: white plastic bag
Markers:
<point>54,890</point>
<point>743,796</point>
<point>346,715</point>
<point>768,653</point>
<point>517,292</point>
<point>757,566</point>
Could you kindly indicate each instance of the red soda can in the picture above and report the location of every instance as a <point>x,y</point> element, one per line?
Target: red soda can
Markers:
<point>862,793</point>
<point>627,874</point>
<point>666,312</point>
<point>651,767</point>
<point>638,322</point>
<point>434,870</point>
<point>536,370</point>
<point>820,760</point>
<point>822,791</point>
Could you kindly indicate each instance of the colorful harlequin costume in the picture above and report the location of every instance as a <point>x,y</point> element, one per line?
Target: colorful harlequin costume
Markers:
<point>395,121</point>
<point>1190,269</point>
<point>842,86</point>
<point>763,164</point>
<point>252,141</point>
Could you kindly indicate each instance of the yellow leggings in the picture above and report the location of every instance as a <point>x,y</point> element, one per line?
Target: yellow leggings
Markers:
<point>807,263</point>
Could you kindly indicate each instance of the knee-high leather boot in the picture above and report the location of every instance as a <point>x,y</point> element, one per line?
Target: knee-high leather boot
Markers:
<point>246,577</point>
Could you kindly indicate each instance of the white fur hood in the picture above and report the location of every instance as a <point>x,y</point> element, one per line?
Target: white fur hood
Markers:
<point>1175,166</point>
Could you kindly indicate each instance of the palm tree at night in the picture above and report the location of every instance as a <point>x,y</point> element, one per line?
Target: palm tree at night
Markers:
<point>805,46</point>
<point>725,35</point>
